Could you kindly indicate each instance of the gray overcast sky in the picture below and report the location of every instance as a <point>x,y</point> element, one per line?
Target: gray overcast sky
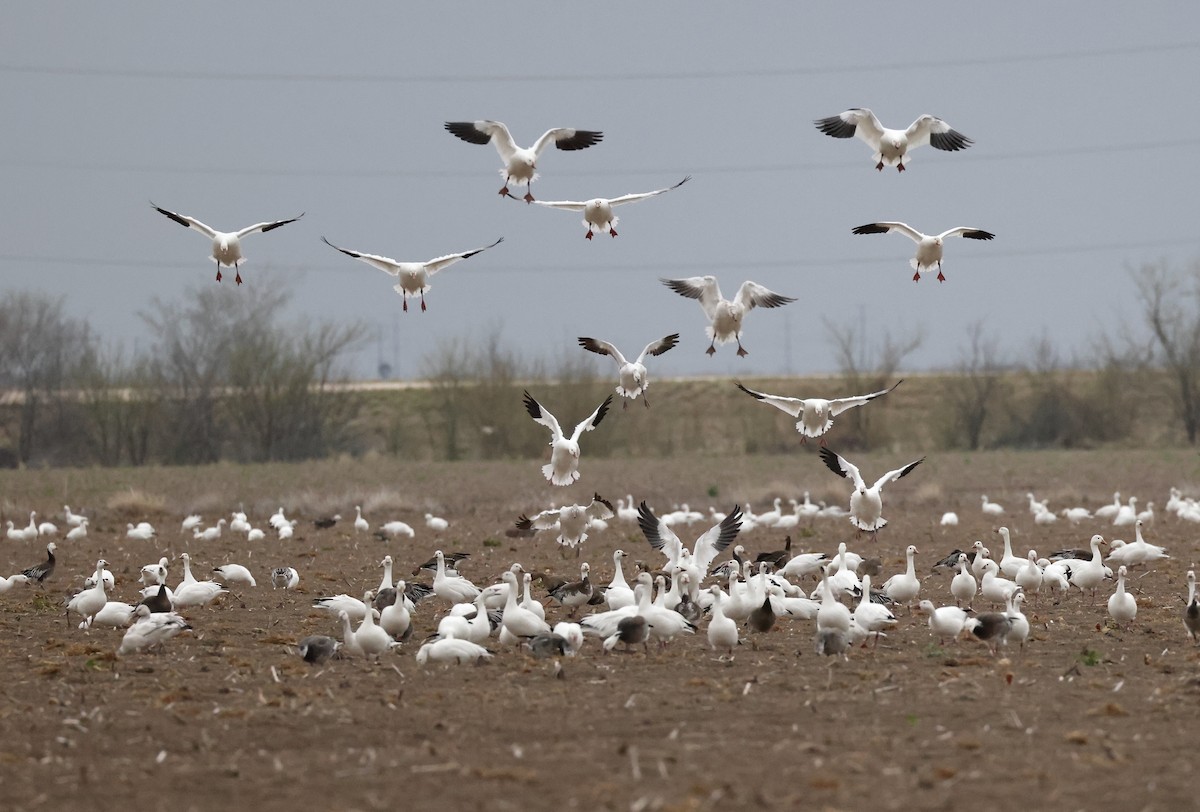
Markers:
<point>1085,119</point>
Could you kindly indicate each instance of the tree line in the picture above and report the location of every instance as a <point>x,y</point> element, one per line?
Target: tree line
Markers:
<point>227,376</point>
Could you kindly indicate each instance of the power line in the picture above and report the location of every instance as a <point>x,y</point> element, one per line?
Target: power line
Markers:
<point>731,169</point>
<point>711,265</point>
<point>632,76</point>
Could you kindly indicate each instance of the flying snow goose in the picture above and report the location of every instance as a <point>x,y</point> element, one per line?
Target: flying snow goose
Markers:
<point>563,468</point>
<point>226,246</point>
<point>631,374</point>
<point>151,629</point>
<point>598,212</point>
<point>520,163</point>
<point>43,569</point>
<point>1122,606</point>
<point>929,246</point>
<point>816,414</point>
<point>413,277</point>
<point>724,316</point>
<point>892,146</point>
<point>572,521</point>
<point>707,547</point>
<point>1191,613</point>
<point>866,503</point>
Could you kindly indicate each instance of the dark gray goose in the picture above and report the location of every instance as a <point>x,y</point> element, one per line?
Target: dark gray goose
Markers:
<point>1191,615</point>
<point>41,571</point>
<point>630,632</point>
<point>317,648</point>
<point>990,627</point>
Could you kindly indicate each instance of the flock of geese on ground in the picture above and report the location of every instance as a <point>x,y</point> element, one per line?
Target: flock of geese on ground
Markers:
<point>745,595</point>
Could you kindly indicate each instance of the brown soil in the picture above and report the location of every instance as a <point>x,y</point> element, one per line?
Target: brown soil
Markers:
<point>1086,717</point>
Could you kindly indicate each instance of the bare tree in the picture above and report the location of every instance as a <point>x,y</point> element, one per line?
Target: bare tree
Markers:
<point>977,385</point>
<point>41,348</point>
<point>1170,304</point>
<point>866,368</point>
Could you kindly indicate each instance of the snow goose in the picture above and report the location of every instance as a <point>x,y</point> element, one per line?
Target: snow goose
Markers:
<point>1018,631</point>
<point>1075,515</point>
<point>963,585</point>
<point>349,643</point>
<point>1144,516</point>
<point>707,546</point>
<point>317,648</point>
<point>866,503</point>
<point>618,593</point>
<point>992,586</point>
<point>632,376</point>
<point>396,619</point>
<point>235,574</point>
<point>1136,552</point>
<point>452,650</point>
<point>42,570</point>
<point>902,587</point>
<point>454,589</point>
<point>1044,518</point>
<point>816,414</point>
<point>991,508</point>
<point>412,277</point>
<point>1010,564</point>
<point>72,519</point>
<point>277,519</point>
<point>51,529</point>
<point>1088,574</point>
<point>190,523</point>
<point>361,525</point>
<point>285,578</point>
<point>626,511</point>
<point>226,246</point>
<point>572,634</point>
<point>518,621</point>
<point>832,616</point>
<point>992,628</point>
<point>1030,576</point>
<point>929,246</point>
<point>520,163</point>
<point>396,528</point>
<point>725,316</point>
<point>1191,613</point>
<point>79,531</point>
<point>11,581</point>
<point>949,519</point>
<point>979,558</point>
<point>1109,511</point>
<point>722,630</point>
<point>874,617</point>
<point>1127,514</point>
<point>209,533</point>
<point>16,533</point>
<point>598,212</point>
<point>1036,506</point>
<point>572,521</point>
<point>1122,606</point>
<point>115,614</point>
<point>436,523</point>
<point>238,522</point>
<point>372,639</point>
<point>574,594</point>
<point>629,631</point>
<point>803,564</point>
<point>891,147</point>
<point>563,468</point>
<point>1055,574</point>
<point>944,621</point>
<point>141,532</point>
<point>89,601</point>
<point>196,594</point>
<point>151,629</point>
<point>255,534</point>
